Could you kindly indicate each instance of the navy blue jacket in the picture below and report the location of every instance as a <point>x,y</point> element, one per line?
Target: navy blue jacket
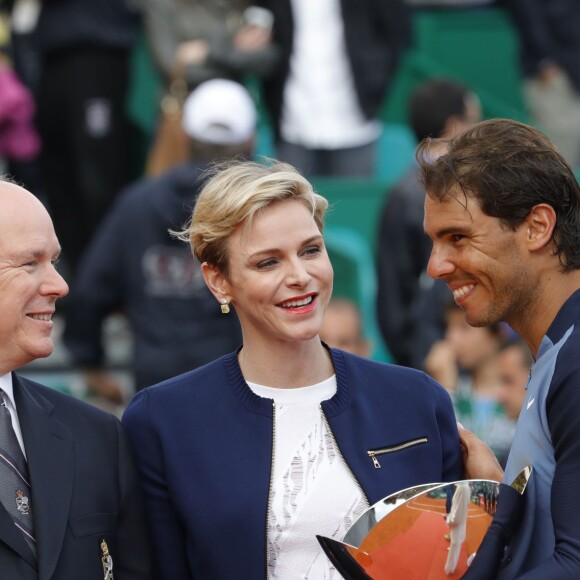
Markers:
<point>204,440</point>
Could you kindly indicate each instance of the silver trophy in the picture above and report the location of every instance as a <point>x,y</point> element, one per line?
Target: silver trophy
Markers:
<point>427,532</point>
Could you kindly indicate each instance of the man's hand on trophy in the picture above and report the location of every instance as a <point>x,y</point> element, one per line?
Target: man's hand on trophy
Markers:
<point>479,461</point>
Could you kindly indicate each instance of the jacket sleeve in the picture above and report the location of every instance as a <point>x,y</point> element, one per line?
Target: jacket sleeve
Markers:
<point>563,411</point>
<point>376,35</point>
<point>529,19</point>
<point>394,18</point>
<point>169,540</point>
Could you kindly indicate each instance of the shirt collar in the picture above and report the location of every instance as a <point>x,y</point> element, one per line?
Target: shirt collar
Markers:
<point>568,315</point>
<point>8,389</point>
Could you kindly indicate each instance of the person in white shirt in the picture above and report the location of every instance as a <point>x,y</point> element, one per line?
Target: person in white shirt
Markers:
<point>325,98</point>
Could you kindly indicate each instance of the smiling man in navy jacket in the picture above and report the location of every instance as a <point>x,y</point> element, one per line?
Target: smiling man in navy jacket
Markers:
<point>70,508</point>
<point>503,212</point>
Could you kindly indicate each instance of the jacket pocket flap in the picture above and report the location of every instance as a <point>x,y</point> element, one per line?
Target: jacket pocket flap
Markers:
<point>93,524</point>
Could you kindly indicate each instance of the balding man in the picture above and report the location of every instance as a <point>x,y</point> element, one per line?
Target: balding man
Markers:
<point>69,504</point>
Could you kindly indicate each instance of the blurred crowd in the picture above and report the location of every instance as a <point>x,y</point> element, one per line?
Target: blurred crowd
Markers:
<point>319,74</point>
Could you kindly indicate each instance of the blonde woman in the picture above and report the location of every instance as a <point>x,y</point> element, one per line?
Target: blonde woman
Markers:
<point>243,461</point>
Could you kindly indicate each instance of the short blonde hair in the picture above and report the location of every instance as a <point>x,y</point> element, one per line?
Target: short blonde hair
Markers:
<point>234,192</point>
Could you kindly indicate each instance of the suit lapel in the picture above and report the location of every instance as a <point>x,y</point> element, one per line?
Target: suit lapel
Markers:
<point>49,452</point>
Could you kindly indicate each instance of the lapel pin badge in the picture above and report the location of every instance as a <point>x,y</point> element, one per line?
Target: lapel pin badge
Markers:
<point>107,561</point>
<point>22,503</point>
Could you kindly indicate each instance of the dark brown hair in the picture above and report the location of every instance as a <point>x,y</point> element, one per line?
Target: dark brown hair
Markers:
<point>508,167</point>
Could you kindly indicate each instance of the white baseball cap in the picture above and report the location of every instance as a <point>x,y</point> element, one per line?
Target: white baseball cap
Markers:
<point>221,112</point>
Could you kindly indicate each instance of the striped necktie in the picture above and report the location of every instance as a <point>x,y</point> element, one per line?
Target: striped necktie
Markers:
<point>14,480</point>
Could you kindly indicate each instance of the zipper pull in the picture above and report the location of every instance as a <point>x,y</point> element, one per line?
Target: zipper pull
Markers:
<point>374,458</point>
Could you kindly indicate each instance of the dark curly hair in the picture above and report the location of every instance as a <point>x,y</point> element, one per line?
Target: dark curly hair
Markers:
<point>508,167</point>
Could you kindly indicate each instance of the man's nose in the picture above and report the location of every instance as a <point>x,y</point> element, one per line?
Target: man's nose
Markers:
<point>439,264</point>
<point>56,284</point>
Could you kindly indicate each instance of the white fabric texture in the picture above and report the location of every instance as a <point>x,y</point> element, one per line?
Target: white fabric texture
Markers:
<point>320,106</point>
<point>313,491</point>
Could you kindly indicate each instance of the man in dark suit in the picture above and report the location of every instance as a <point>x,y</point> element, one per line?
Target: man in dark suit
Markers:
<point>70,508</point>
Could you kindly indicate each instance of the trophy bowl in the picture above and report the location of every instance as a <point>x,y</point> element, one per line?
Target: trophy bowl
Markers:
<point>426,532</point>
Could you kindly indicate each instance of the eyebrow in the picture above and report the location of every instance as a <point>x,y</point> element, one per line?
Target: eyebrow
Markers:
<point>451,230</point>
<point>35,254</point>
<point>274,250</point>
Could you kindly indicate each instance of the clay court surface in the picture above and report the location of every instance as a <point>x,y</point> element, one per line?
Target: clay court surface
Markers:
<point>409,544</point>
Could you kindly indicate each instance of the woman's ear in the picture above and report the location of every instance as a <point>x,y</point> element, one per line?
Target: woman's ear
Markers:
<point>215,281</point>
<point>541,222</point>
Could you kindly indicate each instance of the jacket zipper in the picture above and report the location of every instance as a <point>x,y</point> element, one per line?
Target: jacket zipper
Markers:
<point>269,505</point>
<point>374,452</point>
<point>342,456</point>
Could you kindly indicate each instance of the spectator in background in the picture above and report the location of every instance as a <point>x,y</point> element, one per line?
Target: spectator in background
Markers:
<point>20,21</point>
<point>466,363</point>
<point>338,59</point>
<point>84,48</point>
<point>342,327</point>
<point>438,108</point>
<point>550,63</point>
<point>19,141</point>
<point>134,265</point>
<point>194,41</point>
<point>200,40</point>
<point>514,362</point>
